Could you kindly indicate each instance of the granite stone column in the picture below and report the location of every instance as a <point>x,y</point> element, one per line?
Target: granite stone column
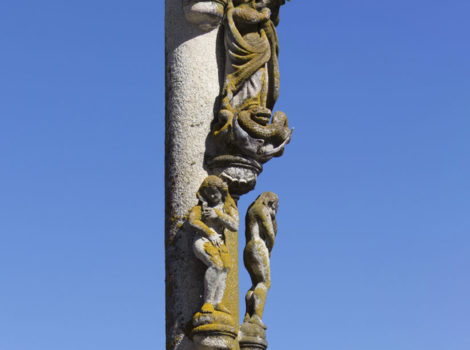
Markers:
<point>192,88</point>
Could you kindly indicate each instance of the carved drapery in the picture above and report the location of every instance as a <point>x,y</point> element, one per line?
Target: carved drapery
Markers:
<point>245,129</point>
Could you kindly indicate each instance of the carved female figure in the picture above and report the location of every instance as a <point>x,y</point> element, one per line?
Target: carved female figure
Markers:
<point>248,50</point>
<point>251,85</point>
<point>214,217</point>
<point>261,229</point>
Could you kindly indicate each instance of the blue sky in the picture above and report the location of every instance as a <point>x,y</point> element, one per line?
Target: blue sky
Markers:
<point>373,248</point>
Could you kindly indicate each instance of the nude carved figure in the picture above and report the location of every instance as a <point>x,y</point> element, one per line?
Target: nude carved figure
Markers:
<point>261,229</point>
<point>214,217</point>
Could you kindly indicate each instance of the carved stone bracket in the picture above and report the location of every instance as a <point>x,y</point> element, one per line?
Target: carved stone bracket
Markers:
<point>240,173</point>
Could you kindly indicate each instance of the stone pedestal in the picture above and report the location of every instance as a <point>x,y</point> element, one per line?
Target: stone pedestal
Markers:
<point>252,337</point>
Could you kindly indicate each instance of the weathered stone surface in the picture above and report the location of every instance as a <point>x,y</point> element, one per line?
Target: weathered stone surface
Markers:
<point>260,232</point>
<point>214,221</point>
<point>222,81</point>
<point>240,173</point>
<point>207,14</point>
<point>192,87</point>
<point>245,122</point>
<point>252,337</point>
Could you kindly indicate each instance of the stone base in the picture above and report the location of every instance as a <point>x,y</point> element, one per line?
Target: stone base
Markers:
<point>252,337</point>
<point>214,331</point>
<point>215,341</point>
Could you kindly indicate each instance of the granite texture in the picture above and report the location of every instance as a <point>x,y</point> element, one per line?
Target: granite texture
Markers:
<point>192,87</point>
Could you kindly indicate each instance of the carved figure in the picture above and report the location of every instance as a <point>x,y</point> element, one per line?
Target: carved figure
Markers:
<point>251,85</point>
<point>244,135</point>
<point>261,229</point>
<point>212,218</point>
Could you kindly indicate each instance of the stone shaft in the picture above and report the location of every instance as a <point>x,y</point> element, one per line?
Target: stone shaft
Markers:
<point>192,88</point>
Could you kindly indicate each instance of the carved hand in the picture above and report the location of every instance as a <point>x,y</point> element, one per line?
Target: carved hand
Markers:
<point>209,213</point>
<point>215,239</point>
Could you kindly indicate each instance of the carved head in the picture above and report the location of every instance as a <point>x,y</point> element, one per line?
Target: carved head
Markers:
<point>270,200</point>
<point>213,190</point>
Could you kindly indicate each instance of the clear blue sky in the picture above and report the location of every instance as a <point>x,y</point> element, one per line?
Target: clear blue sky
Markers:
<point>373,247</point>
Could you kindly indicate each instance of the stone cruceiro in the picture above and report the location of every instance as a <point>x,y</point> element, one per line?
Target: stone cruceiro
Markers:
<point>222,82</point>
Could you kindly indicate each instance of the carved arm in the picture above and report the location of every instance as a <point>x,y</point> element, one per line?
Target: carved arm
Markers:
<point>249,15</point>
<point>230,219</point>
<point>268,229</point>
<point>196,223</point>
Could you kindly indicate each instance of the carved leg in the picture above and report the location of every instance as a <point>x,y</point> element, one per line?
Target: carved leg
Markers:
<point>208,254</point>
<point>249,304</point>
<point>213,326</point>
<point>259,300</point>
<point>220,291</point>
<point>256,258</point>
<point>253,330</point>
<point>211,279</point>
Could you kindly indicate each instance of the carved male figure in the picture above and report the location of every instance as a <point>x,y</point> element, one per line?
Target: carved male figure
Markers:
<point>261,229</point>
<point>214,217</point>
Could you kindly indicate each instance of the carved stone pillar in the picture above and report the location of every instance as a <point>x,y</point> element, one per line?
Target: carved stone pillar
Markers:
<point>222,81</point>
<point>192,87</point>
